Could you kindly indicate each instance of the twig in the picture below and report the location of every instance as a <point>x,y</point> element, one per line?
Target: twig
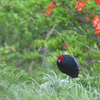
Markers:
<point>83,19</point>
<point>84,44</point>
<point>0,57</point>
<point>51,31</point>
<point>30,68</point>
<point>39,49</point>
<point>5,3</point>
<point>80,43</point>
<point>30,18</point>
<point>97,11</point>
<point>64,41</point>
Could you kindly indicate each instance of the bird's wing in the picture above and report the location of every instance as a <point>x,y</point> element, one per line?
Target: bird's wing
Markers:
<point>78,66</point>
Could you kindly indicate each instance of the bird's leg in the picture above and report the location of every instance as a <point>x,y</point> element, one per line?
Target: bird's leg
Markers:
<point>70,80</point>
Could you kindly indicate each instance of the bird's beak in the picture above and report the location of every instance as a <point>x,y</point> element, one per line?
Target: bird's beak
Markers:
<point>59,60</point>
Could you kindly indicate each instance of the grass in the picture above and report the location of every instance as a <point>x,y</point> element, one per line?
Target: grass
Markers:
<point>54,89</point>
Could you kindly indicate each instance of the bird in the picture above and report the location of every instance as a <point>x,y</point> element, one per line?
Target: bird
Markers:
<point>69,65</point>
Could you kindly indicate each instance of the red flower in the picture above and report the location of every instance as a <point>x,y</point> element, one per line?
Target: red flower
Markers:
<point>96,32</point>
<point>92,15</point>
<point>50,9</point>
<point>98,43</point>
<point>51,5</point>
<point>88,15</point>
<point>88,20</point>
<point>98,27</point>
<point>80,4</point>
<point>54,3</point>
<point>82,49</point>
<point>87,9</point>
<point>97,1</point>
<point>96,23</point>
<point>96,20</point>
<point>43,11</point>
<point>79,9</point>
<point>80,20</point>
<point>49,13</point>
<point>66,46</point>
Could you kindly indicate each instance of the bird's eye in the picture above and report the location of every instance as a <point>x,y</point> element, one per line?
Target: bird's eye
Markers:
<point>62,58</point>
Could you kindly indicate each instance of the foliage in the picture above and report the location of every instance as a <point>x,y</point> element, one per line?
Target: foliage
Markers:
<point>81,89</point>
<point>32,35</point>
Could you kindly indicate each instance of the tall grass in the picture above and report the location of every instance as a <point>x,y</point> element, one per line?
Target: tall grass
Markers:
<point>56,88</point>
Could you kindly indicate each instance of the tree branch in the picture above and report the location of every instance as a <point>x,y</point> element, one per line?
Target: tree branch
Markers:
<point>40,48</point>
<point>4,4</point>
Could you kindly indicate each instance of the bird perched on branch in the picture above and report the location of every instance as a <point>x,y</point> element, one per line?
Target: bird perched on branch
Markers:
<point>68,65</point>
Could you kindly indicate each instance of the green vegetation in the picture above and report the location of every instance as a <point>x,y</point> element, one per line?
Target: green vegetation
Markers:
<point>80,89</point>
<point>30,42</point>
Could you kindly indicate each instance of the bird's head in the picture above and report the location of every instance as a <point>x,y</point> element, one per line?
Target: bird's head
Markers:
<point>60,58</point>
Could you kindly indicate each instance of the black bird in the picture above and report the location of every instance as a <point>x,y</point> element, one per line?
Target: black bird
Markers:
<point>68,65</point>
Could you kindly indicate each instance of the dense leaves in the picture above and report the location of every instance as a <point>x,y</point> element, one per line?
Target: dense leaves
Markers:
<point>27,33</point>
<point>33,33</point>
